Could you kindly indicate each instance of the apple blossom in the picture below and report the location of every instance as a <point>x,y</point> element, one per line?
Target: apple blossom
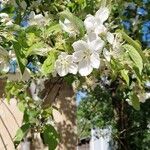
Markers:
<point>38,19</point>
<point>64,64</point>
<point>87,53</point>
<point>4,18</point>
<point>115,49</point>
<point>96,23</point>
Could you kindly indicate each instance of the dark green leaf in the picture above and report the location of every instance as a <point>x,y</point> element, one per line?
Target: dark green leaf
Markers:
<point>51,137</point>
<point>20,56</point>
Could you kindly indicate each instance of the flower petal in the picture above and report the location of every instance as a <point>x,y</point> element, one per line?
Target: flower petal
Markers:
<point>61,69</point>
<point>95,60</point>
<point>106,54</point>
<point>102,14</point>
<point>110,37</point>
<point>73,68</point>
<point>79,45</point>
<point>96,45</point>
<point>78,56</point>
<point>85,67</point>
<point>89,23</point>
<point>100,29</point>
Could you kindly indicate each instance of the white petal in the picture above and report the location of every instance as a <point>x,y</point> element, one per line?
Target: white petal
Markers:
<point>79,45</point>
<point>91,37</point>
<point>4,15</point>
<point>110,37</point>
<point>65,25</point>
<point>69,58</point>
<point>62,55</point>
<point>85,67</point>
<point>106,54</point>
<point>100,29</point>
<point>95,60</point>
<point>89,23</point>
<point>96,45</point>
<point>102,14</point>
<point>78,56</point>
<point>61,69</point>
<point>31,15</point>
<point>73,68</point>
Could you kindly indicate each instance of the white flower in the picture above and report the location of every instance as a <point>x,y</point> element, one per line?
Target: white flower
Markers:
<point>68,27</point>
<point>144,96</point>
<point>4,18</point>
<point>39,19</point>
<point>115,50</point>
<point>87,54</point>
<point>110,37</point>
<point>95,23</point>
<point>64,64</point>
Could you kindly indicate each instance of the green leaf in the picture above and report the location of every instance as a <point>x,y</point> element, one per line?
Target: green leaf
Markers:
<point>48,65</point>
<point>21,132</point>
<point>20,56</point>
<point>135,56</point>
<point>124,74</point>
<point>54,28</point>
<point>135,44</point>
<point>78,23</point>
<point>137,73</point>
<point>38,49</point>
<point>21,106</point>
<point>135,101</point>
<point>51,137</point>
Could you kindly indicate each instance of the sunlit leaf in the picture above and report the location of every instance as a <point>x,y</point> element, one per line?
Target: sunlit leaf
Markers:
<point>48,65</point>
<point>135,101</point>
<point>21,132</point>
<point>135,56</point>
<point>124,74</point>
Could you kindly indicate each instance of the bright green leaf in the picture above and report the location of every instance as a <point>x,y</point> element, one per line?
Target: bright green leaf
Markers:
<point>124,74</point>
<point>135,44</point>
<point>135,56</point>
<point>48,65</point>
<point>21,132</point>
<point>21,106</point>
<point>135,101</point>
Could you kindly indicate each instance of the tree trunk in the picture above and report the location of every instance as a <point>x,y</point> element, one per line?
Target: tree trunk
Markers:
<point>62,97</point>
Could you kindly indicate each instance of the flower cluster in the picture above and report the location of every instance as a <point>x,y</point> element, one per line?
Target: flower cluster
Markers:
<point>87,51</point>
